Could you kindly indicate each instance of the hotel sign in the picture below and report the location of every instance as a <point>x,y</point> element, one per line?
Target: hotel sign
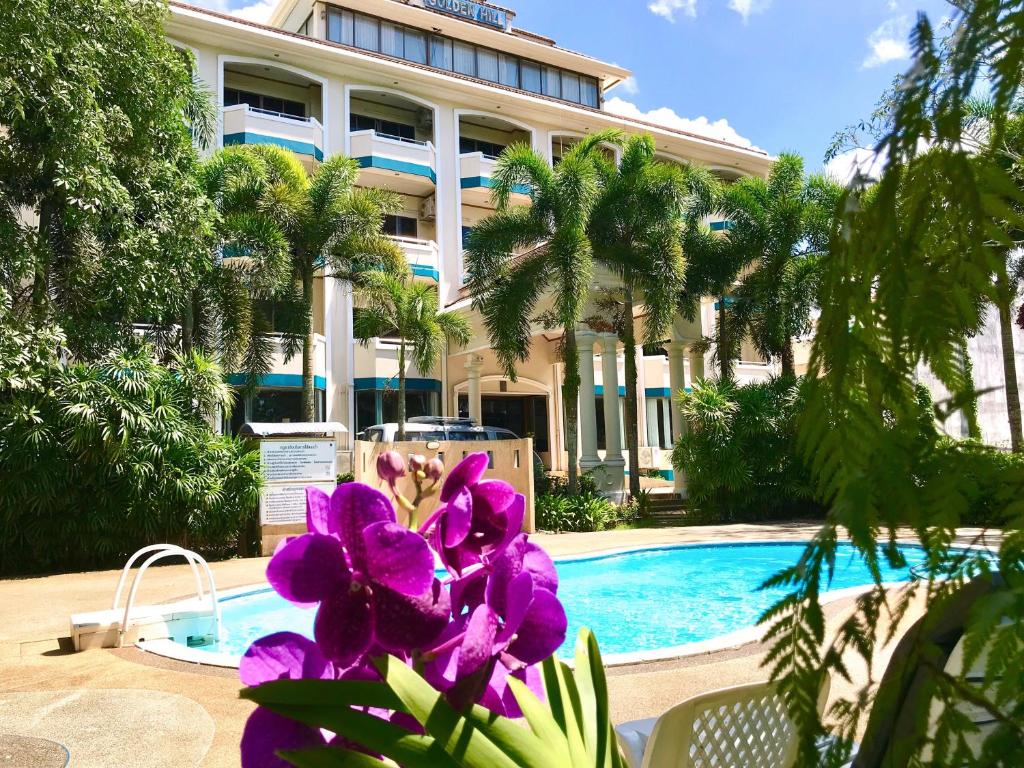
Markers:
<point>466,9</point>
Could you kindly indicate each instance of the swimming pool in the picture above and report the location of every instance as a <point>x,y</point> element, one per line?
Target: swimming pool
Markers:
<point>646,603</point>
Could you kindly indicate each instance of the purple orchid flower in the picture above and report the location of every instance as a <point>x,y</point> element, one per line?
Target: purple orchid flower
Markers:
<point>372,578</point>
<point>477,518</point>
<point>513,616</point>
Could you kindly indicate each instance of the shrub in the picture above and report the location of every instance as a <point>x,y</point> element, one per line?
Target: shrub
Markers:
<point>739,451</point>
<point>99,459</point>
<point>586,510</point>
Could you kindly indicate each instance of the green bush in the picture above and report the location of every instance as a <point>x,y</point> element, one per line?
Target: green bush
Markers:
<point>739,452</point>
<point>99,459</point>
<point>586,510</point>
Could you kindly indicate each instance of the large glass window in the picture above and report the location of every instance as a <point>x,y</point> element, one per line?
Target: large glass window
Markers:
<point>275,104</point>
<point>400,226</point>
<point>382,36</point>
<point>367,33</point>
<point>531,77</point>
<point>465,59</point>
<point>487,65</point>
<point>489,148</point>
<point>382,127</point>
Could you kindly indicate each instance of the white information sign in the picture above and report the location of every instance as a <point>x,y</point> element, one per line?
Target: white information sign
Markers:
<point>307,461</point>
<point>283,504</point>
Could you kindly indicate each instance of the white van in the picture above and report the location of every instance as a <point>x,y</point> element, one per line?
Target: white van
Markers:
<point>429,428</point>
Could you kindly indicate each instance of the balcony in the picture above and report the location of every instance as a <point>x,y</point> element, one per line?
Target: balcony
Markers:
<point>404,165</point>
<point>423,256</point>
<point>476,170</point>
<point>248,125</point>
<point>288,374</point>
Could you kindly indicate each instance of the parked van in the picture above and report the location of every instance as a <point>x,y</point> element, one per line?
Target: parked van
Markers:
<point>429,428</point>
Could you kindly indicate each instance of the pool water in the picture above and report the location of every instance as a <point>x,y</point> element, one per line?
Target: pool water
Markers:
<point>638,601</point>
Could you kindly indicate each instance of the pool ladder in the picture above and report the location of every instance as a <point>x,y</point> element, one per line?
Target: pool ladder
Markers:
<point>158,552</point>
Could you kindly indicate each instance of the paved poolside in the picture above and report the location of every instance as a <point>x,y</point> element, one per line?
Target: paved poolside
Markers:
<point>126,707</point>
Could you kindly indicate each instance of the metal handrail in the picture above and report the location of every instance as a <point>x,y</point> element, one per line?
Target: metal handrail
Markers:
<point>162,551</point>
<point>187,554</point>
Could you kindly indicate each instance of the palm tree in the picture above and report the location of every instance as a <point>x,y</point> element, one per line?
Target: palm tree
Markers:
<point>329,225</point>
<point>713,264</point>
<point>782,224</point>
<point>636,230</point>
<point>518,254</point>
<point>395,305</point>
<point>249,263</point>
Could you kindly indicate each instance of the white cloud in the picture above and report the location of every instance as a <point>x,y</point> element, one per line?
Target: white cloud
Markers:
<point>746,8</point>
<point>668,8</point>
<point>718,129</point>
<point>888,43</point>
<point>865,162</point>
<point>259,11</point>
<point>629,85</point>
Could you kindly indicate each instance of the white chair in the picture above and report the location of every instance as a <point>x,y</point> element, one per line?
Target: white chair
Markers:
<point>745,726</point>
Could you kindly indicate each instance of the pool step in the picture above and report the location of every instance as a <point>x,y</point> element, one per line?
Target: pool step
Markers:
<point>666,506</point>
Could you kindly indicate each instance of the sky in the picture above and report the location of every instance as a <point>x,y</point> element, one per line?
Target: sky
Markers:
<point>781,75</point>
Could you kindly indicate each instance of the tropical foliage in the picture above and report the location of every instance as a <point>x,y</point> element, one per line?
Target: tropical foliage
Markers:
<point>560,511</point>
<point>636,229</point>
<point>739,451</point>
<point>102,223</point>
<point>396,306</point>
<point>520,253</point>
<point>900,288</point>
<point>98,459</point>
<point>782,226</point>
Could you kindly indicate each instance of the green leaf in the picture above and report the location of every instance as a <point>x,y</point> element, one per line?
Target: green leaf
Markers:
<point>331,757</point>
<point>526,748</point>
<point>327,693</point>
<point>564,702</point>
<point>460,737</point>
<point>408,749</point>
<point>598,732</point>
<point>541,722</point>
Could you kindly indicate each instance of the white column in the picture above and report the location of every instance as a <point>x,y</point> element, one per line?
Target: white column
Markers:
<point>677,383</point>
<point>474,365</point>
<point>614,476</point>
<point>641,397</point>
<point>696,367</point>
<point>588,405</point>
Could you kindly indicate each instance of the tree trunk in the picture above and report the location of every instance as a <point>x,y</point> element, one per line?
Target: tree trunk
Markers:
<point>400,437</point>
<point>1009,365</point>
<point>630,417</point>
<point>570,399</point>
<point>308,407</point>
<point>788,361</point>
<point>188,327</point>
<point>724,361</point>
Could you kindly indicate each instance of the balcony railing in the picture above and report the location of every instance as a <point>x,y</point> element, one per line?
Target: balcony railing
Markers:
<point>424,256</point>
<point>250,125</point>
<point>476,171</point>
<point>409,157</point>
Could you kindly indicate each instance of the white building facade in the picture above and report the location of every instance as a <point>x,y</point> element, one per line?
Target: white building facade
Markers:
<point>425,94</point>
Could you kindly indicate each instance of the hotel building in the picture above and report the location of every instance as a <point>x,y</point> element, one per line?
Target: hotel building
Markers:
<point>425,94</point>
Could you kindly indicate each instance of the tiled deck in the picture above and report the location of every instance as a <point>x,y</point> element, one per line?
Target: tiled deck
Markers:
<point>167,713</point>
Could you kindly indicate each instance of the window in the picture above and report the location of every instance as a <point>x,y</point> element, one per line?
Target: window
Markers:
<point>570,87</point>
<point>466,232</point>
<point>366,410</point>
<point>552,82</point>
<point>401,42</point>
<point>508,69</point>
<point>465,58</point>
<point>489,148</point>
<point>415,46</point>
<point>392,40</point>
<point>400,226</point>
<point>367,33</point>
<point>275,104</point>
<point>340,27</point>
<point>388,128</point>
<point>487,65</point>
<point>440,52</point>
<point>531,77</point>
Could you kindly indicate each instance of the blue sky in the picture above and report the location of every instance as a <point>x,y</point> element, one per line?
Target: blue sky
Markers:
<point>781,74</point>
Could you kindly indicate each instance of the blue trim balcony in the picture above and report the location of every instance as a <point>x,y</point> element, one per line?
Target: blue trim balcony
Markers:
<point>476,174</point>
<point>406,166</point>
<point>248,125</point>
<point>423,256</point>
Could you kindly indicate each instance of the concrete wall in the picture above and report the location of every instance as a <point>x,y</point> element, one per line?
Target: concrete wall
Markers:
<point>511,461</point>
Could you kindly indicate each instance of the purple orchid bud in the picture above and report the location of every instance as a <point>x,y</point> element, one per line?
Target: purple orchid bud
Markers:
<point>390,466</point>
<point>417,463</point>
<point>434,469</point>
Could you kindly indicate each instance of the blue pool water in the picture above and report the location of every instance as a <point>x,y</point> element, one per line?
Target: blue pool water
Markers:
<point>636,601</point>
